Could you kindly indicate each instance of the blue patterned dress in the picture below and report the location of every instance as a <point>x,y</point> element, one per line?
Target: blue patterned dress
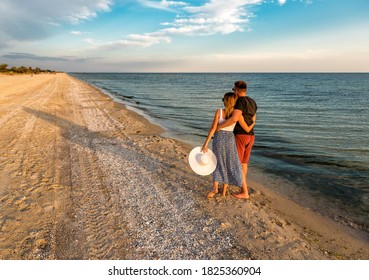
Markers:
<point>229,169</point>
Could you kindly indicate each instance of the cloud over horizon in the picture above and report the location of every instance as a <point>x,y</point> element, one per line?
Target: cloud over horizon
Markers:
<point>29,56</point>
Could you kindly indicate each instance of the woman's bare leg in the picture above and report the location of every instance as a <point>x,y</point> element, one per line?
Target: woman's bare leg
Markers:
<point>214,191</point>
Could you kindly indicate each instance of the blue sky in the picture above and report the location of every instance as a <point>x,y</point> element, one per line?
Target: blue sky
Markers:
<point>186,36</point>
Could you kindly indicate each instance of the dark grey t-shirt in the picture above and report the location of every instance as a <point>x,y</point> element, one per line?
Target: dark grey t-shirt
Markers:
<point>248,107</point>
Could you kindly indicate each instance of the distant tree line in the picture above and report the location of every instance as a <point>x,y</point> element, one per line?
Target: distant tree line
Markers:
<point>22,70</point>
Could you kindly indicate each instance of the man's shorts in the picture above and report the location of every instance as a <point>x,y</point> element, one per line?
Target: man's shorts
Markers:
<point>244,145</point>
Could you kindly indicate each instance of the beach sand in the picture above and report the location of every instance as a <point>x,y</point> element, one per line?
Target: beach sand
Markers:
<point>82,177</point>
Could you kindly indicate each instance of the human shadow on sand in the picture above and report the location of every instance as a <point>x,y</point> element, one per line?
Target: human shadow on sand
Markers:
<point>73,132</point>
<point>108,142</point>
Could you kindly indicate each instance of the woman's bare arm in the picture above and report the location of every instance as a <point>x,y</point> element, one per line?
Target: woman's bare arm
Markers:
<point>211,131</point>
<point>244,125</point>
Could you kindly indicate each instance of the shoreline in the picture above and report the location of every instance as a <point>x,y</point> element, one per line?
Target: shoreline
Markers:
<point>303,198</point>
<point>109,168</point>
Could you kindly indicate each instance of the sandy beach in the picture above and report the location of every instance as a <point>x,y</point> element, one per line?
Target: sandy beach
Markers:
<point>82,177</point>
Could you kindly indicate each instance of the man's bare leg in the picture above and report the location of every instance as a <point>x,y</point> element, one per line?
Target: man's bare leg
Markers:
<point>244,194</point>
<point>225,188</point>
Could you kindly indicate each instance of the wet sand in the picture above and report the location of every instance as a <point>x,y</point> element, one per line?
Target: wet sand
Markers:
<point>82,177</point>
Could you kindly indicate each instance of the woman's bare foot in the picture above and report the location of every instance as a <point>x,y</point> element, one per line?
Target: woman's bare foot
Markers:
<point>241,196</point>
<point>212,193</point>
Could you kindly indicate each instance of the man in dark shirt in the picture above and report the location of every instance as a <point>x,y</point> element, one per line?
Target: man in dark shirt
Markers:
<point>246,107</point>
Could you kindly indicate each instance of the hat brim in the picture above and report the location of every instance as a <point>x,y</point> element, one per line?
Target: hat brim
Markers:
<point>200,168</point>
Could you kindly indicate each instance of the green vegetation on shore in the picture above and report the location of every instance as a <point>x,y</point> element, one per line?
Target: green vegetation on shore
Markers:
<point>22,70</point>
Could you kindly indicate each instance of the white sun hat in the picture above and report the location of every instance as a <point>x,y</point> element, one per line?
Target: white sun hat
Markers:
<point>202,163</point>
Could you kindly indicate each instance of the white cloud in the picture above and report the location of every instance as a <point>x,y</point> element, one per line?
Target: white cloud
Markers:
<point>29,20</point>
<point>133,40</point>
<point>213,17</point>
<point>75,32</point>
<point>217,16</point>
<point>163,4</point>
<point>79,33</point>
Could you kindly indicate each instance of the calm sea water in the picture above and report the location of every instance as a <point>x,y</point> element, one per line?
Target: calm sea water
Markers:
<point>312,130</point>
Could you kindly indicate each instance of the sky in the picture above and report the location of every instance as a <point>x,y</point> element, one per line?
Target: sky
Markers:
<point>186,36</point>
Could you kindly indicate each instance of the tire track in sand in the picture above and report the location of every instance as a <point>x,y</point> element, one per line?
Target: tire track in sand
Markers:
<point>95,208</point>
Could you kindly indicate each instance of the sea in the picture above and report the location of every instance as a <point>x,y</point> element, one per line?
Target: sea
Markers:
<point>312,129</point>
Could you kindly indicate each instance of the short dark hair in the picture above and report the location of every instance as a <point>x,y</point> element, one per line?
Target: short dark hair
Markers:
<point>242,85</point>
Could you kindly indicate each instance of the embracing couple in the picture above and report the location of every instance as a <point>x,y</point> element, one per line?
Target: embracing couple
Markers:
<point>233,130</point>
